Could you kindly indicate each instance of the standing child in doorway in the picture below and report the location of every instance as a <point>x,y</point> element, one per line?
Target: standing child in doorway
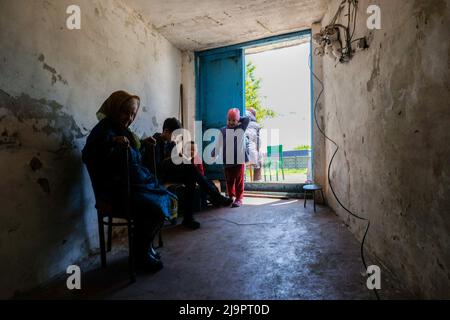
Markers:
<point>234,154</point>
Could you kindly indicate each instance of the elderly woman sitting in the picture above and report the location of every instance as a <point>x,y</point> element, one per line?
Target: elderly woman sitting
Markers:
<point>104,155</point>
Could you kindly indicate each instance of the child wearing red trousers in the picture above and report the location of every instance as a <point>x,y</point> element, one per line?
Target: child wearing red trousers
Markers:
<point>234,155</point>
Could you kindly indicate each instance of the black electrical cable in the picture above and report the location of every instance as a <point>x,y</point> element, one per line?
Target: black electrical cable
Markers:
<point>329,174</point>
<point>355,15</point>
<point>349,17</point>
<point>341,7</point>
<point>356,40</point>
<point>349,33</point>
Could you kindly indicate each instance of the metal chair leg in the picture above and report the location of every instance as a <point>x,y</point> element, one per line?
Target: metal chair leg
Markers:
<point>131,261</point>
<point>101,237</point>
<point>305,195</point>
<point>110,229</point>
<point>314,198</point>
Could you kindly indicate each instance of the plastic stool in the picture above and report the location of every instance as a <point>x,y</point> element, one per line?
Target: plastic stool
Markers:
<point>313,188</point>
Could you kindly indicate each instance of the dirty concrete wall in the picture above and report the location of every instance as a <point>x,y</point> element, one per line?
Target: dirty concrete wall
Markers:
<point>189,90</point>
<point>52,81</point>
<point>319,154</point>
<point>389,111</point>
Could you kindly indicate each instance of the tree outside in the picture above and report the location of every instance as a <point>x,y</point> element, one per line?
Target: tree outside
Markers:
<point>252,95</point>
<point>303,147</point>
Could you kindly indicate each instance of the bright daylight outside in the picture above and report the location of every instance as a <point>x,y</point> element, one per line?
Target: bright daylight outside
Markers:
<point>278,93</point>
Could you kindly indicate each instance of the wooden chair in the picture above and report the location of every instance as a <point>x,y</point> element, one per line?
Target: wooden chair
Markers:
<point>106,214</point>
<point>274,159</point>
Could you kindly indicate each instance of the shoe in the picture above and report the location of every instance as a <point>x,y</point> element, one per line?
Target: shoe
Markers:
<point>221,201</point>
<point>191,224</point>
<point>237,204</point>
<point>154,253</point>
<point>226,202</point>
<point>152,265</point>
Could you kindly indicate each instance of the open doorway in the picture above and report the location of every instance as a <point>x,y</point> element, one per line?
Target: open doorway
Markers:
<point>278,92</point>
<point>281,65</point>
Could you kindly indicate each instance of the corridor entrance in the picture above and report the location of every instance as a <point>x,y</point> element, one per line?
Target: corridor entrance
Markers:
<point>228,78</point>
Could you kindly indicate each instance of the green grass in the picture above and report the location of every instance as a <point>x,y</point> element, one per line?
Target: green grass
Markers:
<point>288,172</point>
<point>295,171</point>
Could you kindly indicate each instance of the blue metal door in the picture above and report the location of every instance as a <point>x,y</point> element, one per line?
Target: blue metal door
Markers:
<point>221,86</point>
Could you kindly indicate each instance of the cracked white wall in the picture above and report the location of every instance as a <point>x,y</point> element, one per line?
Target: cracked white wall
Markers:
<point>52,82</point>
<point>388,111</point>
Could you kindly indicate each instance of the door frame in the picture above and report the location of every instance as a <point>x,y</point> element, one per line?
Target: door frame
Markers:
<point>251,44</point>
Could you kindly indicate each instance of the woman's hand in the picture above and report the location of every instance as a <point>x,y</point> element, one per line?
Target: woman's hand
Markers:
<point>122,141</point>
<point>150,141</point>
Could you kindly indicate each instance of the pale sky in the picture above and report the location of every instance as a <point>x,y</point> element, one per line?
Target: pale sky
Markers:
<point>286,87</point>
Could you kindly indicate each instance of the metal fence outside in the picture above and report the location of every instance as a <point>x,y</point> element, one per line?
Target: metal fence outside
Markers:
<point>296,162</point>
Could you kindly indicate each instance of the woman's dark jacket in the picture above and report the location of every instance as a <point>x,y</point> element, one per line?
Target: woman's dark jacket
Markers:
<point>106,162</point>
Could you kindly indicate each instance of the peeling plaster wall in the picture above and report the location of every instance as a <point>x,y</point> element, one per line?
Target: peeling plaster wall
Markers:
<point>52,82</point>
<point>189,91</point>
<point>319,155</point>
<point>389,111</point>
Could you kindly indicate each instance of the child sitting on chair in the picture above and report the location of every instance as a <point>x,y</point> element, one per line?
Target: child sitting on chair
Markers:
<point>234,155</point>
<point>191,152</point>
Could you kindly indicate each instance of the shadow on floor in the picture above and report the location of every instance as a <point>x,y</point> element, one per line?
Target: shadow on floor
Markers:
<point>268,249</point>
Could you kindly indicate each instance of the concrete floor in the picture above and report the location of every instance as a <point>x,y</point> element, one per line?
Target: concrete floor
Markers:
<point>268,249</point>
